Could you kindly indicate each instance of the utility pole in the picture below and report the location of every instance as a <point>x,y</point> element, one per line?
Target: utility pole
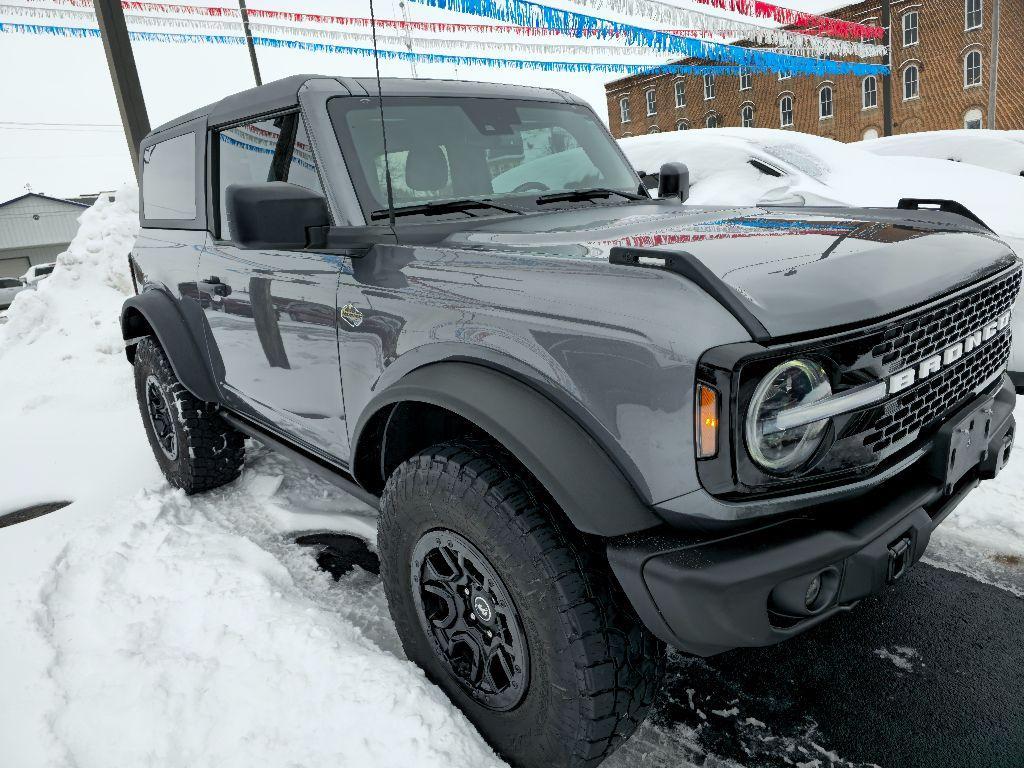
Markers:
<point>887,78</point>
<point>249,43</point>
<point>124,75</point>
<point>993,70</point>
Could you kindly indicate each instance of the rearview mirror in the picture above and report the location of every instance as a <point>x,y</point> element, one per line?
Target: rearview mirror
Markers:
<point>674,180</point>
<point>274,214</point>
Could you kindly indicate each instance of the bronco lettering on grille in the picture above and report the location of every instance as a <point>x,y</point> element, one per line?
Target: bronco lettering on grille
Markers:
<point>932,365</point>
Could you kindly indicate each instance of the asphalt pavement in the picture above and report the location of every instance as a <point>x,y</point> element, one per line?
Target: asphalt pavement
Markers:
<point>929,674</point>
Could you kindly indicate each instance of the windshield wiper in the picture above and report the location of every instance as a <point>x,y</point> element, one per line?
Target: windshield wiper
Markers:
<point>440,208</point>
<point>586,194</point>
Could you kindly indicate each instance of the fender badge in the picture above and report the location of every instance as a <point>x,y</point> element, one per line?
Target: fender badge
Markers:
<point>351,315</point>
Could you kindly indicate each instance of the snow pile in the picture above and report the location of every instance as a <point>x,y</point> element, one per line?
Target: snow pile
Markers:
<point>819,171</point>
<point>146,628</point>
<point>996,150</point>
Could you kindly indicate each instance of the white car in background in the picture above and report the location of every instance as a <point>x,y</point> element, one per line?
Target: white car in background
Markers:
<point>754,166</point>
<point>36,273</point>
<point>9,288</point>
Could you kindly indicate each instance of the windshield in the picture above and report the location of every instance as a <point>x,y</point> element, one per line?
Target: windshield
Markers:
<point>444,149</point>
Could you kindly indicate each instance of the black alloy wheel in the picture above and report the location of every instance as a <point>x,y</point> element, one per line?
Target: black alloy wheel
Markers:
<point>158,410</point>
<point>471,619</point>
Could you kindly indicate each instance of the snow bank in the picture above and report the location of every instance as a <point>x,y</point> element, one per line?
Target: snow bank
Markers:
<point>819,171</point>
<point>145,628</point>
<point>996,150</point>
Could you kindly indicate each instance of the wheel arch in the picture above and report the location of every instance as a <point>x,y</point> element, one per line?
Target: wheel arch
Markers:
<point>444,400</point>
<point>155,313</point>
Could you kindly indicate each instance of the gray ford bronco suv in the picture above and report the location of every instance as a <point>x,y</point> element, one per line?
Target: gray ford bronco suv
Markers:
<point>594,422</point>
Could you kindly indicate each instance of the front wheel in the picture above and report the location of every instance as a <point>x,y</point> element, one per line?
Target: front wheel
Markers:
<point>510,611</point>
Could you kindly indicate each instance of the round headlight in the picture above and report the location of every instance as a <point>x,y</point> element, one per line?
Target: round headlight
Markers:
<point>793,383</point>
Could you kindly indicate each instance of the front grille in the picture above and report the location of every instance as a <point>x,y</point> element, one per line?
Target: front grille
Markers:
<point>903,417</point>
<point>920,337</point>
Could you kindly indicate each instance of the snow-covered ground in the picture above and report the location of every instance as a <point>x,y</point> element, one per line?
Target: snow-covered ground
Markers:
<point>144,628</point>
<point>996,150</point>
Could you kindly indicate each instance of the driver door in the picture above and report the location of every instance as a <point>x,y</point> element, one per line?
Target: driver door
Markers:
<point>272,313</point>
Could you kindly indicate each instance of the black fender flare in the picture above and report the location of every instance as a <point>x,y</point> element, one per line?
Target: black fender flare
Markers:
<point>154,312</point>
<point>574,468</point>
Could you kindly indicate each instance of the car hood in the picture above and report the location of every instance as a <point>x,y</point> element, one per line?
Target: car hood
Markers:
<point>796,269</point>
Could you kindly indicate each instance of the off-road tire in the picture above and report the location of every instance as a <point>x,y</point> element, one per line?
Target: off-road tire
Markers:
<point>594,668</point>
<point>209,452</point>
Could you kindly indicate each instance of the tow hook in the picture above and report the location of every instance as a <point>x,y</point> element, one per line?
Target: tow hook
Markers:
<point>899,558</point>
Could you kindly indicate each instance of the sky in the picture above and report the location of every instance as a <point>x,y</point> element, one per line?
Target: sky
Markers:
<point>53,82</point>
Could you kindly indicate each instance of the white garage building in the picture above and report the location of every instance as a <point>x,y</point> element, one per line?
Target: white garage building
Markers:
<point>35,228</point>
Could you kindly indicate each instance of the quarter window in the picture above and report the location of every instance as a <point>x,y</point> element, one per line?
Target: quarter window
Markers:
<point>680,94</point>
<point>169,179</point>
<point>709,87</point>
<point>747,116</point>
<point>825,106</point>
<point>911,33</point>
<point>911,82</point>
<point>972,69</point>
<point>652,104</point>
<point>786,112</point>
<point>870,92</point>
<point>972,14</point>
<point>624,110</point>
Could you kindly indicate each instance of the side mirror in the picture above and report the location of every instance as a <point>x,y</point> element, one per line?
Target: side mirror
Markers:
<point>674,180</point>
<point>275,214</point>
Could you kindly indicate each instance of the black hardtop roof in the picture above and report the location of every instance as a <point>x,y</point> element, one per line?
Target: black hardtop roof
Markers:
<point>283,93</point>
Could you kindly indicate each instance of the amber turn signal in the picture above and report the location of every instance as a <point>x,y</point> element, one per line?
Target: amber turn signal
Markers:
<point>707,421</point>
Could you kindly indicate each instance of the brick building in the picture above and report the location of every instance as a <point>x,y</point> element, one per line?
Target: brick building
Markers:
<point>942,52</point>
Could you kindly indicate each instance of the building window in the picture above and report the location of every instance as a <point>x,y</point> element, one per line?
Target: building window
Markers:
<point>973,119</point>
<point>709,87</point>
<point>911,82</point>
<point>911,33</point>
<point>624,109</point>
<point>786,112</point>
<point>654,129</point>
<point>972,69</point>
<point>652,105</point>
<point>680,94</point>
<point>747,116</point>
<point>682,125</point>
<point>712,121</point>
<point>870,92</point>
<point>972,14</point>
<point>870,133</point>
<point>825,107</point>
<point>746,81</point>
<point>785,75</point>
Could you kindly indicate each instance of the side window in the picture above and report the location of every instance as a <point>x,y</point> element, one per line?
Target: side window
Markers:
<point>277,149</point>
<point>169,179</point>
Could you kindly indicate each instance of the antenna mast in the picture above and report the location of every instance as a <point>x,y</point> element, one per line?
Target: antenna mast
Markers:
<point>383,127</point>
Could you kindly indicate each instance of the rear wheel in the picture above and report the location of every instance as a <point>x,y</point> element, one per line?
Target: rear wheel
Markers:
<point>508,609</point>
<point>195,448</point>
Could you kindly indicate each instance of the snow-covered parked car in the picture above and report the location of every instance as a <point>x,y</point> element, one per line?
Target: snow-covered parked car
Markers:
<point>36,273</point>
<point>9,288</point>
<point>996,150</point>
<point>754,166</point>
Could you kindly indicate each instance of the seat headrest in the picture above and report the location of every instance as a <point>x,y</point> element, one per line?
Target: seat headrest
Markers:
<point>426,168</point>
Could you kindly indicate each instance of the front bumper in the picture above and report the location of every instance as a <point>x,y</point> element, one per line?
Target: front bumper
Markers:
<point>708,593</point>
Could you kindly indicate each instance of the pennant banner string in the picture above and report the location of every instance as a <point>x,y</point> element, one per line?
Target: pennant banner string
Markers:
<point>525,13</point>
<point>423,43</point>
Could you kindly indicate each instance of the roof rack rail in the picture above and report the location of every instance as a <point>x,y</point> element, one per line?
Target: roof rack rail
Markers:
<point>946,206</point>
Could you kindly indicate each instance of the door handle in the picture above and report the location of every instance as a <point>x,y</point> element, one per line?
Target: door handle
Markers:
<point>215,286</point>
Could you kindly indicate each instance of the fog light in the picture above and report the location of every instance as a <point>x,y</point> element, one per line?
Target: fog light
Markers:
<point>813,590</point>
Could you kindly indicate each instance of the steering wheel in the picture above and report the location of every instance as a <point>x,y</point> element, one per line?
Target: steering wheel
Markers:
<point>531,185</point>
